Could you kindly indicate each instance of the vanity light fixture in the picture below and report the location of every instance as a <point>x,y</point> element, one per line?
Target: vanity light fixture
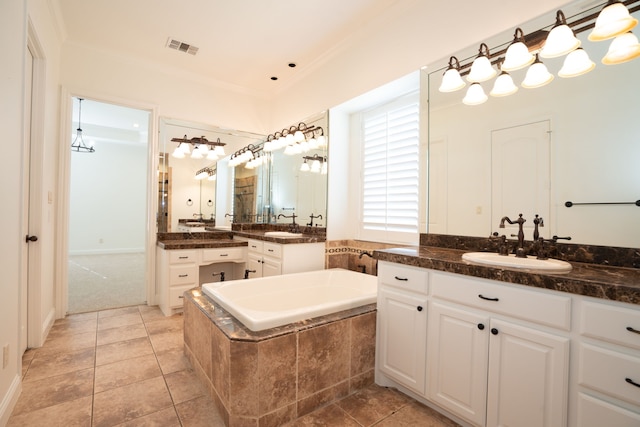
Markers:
<point>451,80</point>
<point>202,148</point>
<point>614,19</point>
<point>207,173</point>
<point>318,164</point>
<point>623,48</point>
<point>78,143</point>
<point>518,55</point>
<point>503,85</point>
<point>576,64</point>
<point>481,69</point>
<point>244,155</point>
<point>296,139</point>
<point>537,75</point>
<point>561,40</point>
<point>475,95</point>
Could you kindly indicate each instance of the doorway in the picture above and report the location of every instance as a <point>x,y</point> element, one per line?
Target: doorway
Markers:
<point>107,234</point>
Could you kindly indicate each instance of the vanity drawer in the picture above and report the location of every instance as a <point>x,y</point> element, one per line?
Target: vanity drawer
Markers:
<point>256,245</point>
<point>183,275</point>
<point>610,323</point>
<point>272,249</point>
<point>538,307</point>
<point>607,371</point>
<point>176,295</point>
<point>404,277</point>
<point>594,412</point>
<point>182,257</point>
<point>222,254</point>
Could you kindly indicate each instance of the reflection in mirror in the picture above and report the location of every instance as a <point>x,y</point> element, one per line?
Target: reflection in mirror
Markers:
<point>573,140</point>
<point>182,196</point>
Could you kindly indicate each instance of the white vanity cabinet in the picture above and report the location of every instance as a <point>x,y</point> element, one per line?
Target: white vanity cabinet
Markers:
<point>272,259</point>
<point>402,324</point>
<point>608,358</point>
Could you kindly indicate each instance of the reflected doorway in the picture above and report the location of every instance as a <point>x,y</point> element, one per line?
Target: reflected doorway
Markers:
<point>107,207</point>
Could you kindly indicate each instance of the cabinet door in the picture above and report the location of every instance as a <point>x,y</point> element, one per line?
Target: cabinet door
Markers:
<point>254,262</point>
<point>458,349</point>
<point>528,377</point>
<point>271,267</point>
<point>403,335</point>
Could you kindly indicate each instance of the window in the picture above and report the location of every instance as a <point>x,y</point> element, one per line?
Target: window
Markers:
<point>390,171</point>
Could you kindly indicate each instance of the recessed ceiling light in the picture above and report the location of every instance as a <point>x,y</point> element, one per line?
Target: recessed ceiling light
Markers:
<point>292,64</point>
<point>136,125</point>
<point>274,78</point>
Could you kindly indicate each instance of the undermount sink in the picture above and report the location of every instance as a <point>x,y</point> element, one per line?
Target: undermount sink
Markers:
<point>511,261</point>
<point>282,234</point>
<point>195,223</point>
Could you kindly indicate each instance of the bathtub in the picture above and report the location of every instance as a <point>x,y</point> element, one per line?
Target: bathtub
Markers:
<point>269,302</point>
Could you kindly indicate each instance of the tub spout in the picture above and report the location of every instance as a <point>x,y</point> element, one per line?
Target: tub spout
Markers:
<point>221,274</point>
<point>246,273</point>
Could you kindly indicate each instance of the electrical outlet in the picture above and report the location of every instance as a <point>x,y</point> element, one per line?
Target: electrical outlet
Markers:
<point>5,356</point>
<point>478,210</point>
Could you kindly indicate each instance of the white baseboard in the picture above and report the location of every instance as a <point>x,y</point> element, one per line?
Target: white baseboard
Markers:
<point>10,399</point>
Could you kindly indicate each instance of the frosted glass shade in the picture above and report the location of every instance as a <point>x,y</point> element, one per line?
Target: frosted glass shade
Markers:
<point>177,153</point>
<point>451,81</point>
<point>537,76</point>
<point>623,48</point>
<point>613,20</point>
<point>211,155</point>
<point>576,64</point>
<point>503,85</point>
<point>560,41</point>
<point>475,95</point>
<point>186,148</point>
<point>219,151</point>
<point>481,70</point>
<point>305,167</point>
<point>517,57</point>
<point>196,153</point>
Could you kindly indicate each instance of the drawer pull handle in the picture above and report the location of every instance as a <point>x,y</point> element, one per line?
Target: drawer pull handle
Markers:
<point>419,308</point>
<point>632,382</point>
<point>630,329</point>
<point>270,250</point>
<point>183,275</point>
<point>183,257</point>
<point>224,255</point>
<point>487,298</point>
<point>403,279</point>
<point>181,296</point>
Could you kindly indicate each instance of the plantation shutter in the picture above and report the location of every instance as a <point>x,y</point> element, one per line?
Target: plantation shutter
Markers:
<point>390,167</point>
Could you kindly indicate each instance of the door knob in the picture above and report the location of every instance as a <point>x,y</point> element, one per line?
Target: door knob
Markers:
<point>31,238</point>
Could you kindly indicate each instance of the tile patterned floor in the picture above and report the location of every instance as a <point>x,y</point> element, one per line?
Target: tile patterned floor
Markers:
<point>125,367</point>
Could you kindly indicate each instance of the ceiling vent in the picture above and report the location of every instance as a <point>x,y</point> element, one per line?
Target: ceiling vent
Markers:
<point>181,46</point>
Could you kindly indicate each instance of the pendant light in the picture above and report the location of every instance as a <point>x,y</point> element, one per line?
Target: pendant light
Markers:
<point>518,55</point>
<point>78,143</point>
<point>613,20</point>
<point>503,86</point>
<point>561,40</point>
<point>623,48</point>
<point>537,75</point>
<point>451,80</point>
<point>475,95</point>
<point>481,69</point>
<point>576,64</point>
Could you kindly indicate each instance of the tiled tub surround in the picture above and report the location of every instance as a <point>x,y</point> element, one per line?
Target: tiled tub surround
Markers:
<point>271,377</point>
<point>590,279</point>
<point>346,254</point>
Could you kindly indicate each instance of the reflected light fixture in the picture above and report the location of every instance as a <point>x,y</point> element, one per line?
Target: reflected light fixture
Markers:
<point>537,75</point>
<point>503,86</point>
<point>78,143</point>
<point>475,95</point>
<point>304,167</point>
<point>576,64</point>
<point>518,55</point>
<point>561,40</point>
<point>451,80</point>
<point>613,20</point>
<point>623,48</point>
<point>481,69</point>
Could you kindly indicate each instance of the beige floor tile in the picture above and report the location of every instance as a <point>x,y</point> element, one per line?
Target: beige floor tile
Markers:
<point>329,416</point>
<point>150,313</point>
<point>164,325</point>
<point>165,418</point>
<point>129,402</point>
<point>118,311</point>
<point>184,385</point>
<point>200,412</point>
<point>72,327</point>
<point>80,317</point>
<point>167,341</point>
<point>126,372</point>
<point>60,363</point>
<point>75,413</point>
<point>372,404</point>
<point>122,333</point>
<point>416,414</point>
<point>120,320</point>
<point>173,361</point>
<point>122,350</point>
<point>54,390</point>
<point>68,342</point>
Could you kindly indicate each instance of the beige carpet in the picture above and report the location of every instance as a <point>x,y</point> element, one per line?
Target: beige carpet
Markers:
<point>99,282</point>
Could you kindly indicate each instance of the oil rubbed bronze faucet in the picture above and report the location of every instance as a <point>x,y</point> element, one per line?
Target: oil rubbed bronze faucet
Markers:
<point>293,227</point>
<point>520,249</point>
<point>537,222</point>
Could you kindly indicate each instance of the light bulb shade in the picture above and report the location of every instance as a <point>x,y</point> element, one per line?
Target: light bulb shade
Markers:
<point>481,70</point>
<point>196,154</point>
<point>178,153</point>
<point>203,148</point>
<point>298,136</point>
<point>517,57</point>
<point>211,155</point>
<point>503,85</point>
<point>324,168</point>
<point>623,48</point>
<point>305,167</point>
<point>613,20</point>
<point>202,175</point>
<point>475,95</point>
<point>576,64</point>
<point>451,80</point>
<point>322,141</point>
<point>185,147</point>
<point>313,144</point>
<point>537,75</point>
<point>290,150</point>
<point>219,151</point>
<point>560,40</point>
<point>316,166</point>
<point>212,177</point>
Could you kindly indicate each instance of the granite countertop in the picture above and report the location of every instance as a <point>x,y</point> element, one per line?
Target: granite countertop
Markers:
<point>260,235</point>
<point>198,240</point>
<point>599,281</point>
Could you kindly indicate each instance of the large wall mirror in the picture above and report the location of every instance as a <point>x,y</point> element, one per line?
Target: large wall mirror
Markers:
<point>574,140</point>
<point>183,197</point>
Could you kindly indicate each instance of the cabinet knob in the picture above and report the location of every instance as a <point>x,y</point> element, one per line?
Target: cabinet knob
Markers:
<point>494,331</point>
<point>419,308</point>
<point>480,326</point>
